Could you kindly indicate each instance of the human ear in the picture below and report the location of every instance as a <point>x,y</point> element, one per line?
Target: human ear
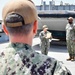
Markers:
<point>5,29</point>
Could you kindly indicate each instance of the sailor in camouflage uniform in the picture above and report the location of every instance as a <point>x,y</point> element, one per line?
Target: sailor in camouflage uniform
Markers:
<point>44,37</point>
<point>18,58</point>
<point>70,38</point>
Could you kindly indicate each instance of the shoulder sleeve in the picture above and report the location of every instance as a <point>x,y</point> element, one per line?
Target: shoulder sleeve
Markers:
<point>60,69</point>
<point>66,27</point>
<point>74,26</point>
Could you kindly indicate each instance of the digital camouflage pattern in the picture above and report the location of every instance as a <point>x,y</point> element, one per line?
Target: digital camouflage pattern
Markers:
<point>70,32</point>
<point>21,59</point>
<point>70,39</point>
<point>45,44</point>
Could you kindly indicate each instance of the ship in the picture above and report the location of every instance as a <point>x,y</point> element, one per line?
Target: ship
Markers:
<point>56,22</point>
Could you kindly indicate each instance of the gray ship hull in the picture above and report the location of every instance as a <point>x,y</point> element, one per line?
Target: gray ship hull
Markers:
<point>56,25</point>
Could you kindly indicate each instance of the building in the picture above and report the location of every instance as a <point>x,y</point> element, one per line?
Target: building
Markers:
<point>52,6</point>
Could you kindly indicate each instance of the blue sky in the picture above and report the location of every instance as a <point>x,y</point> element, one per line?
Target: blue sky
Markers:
<point>37,2</point>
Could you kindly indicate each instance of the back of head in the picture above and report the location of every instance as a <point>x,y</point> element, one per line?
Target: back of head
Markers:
<point>19,12</point>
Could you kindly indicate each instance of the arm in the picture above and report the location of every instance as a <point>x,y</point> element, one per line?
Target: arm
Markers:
<point>74,26</point>
<point>74,32</point>
<point>49,35</point>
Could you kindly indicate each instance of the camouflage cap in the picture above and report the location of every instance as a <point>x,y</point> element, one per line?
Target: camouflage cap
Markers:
<point>70,18</point>
<point>19,12</point>
<point>45,26</point>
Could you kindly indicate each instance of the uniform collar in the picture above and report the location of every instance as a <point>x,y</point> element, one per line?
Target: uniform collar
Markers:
<point>20,45</point>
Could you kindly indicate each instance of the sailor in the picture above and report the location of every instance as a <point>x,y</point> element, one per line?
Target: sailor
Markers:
<point>70,38</point>
<point>45,35</point>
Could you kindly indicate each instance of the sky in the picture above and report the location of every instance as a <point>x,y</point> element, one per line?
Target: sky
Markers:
<point>57,2</point>
<point>37,2</point>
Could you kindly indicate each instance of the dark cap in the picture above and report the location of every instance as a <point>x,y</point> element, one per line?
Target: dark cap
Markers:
<point>19,12</point>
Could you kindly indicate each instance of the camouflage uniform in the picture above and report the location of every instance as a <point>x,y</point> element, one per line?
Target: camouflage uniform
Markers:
<point>21,59</point>
<point>70,39</point>
<point>45,44</point>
